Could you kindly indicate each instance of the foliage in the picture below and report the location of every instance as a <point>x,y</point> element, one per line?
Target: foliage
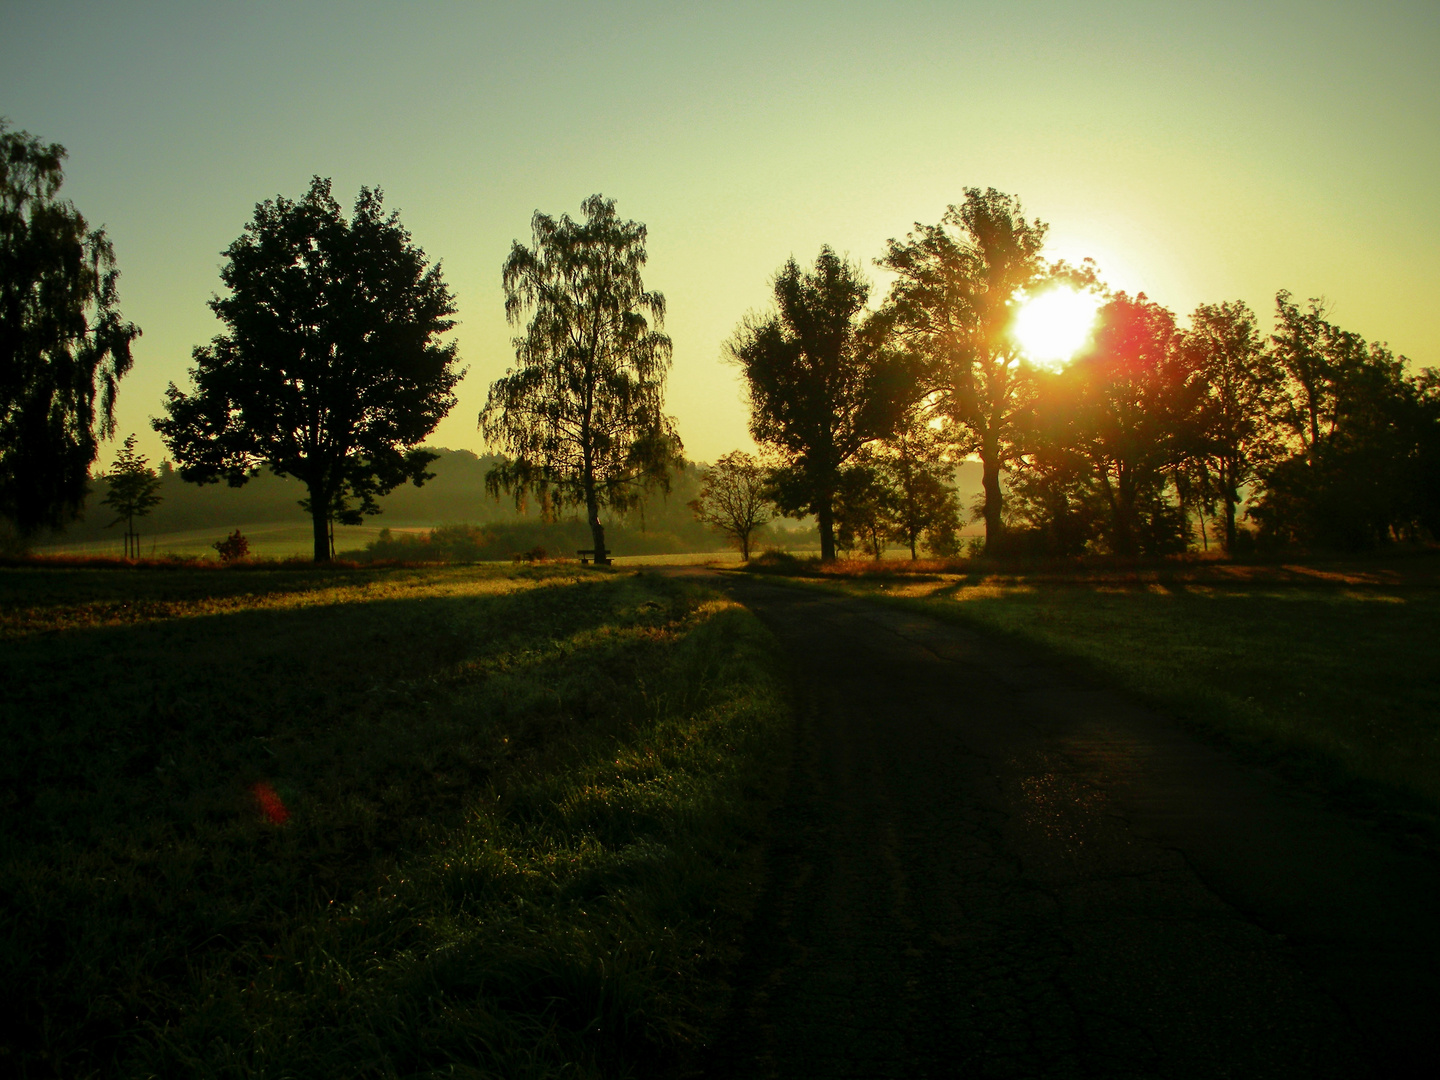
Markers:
<point>133,490</point>
<point>523,809</point>
<point>1362,436</point>
<point>822,382</point>
<point>233,548</point>
<point>1109,435</point>
<point>953,302</point>
<point>922,502</point>
<point>581,415</point>
<point>864,507</point>
<point>331,370</point>
<point>63,343</point>
<point>1239,391</point>
<point>733,499</point>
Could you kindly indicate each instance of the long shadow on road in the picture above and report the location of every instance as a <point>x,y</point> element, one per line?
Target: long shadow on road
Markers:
<point>986,868</point>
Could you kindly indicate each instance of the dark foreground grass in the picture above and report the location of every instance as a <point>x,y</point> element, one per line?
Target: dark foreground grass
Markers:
<point>410,822</point>
<point>1327,668</point>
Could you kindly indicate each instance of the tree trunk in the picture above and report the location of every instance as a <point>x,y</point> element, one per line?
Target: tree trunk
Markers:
<point>825,518</point>
<point>1232,496</point>
<point>320,521</point>
<point>1125,515</point>
<point>990,462</point>
<point>597,531</point>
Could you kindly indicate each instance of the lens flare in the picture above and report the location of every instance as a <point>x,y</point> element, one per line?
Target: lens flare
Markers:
<point>1052,326</point>
<point>270,803</point>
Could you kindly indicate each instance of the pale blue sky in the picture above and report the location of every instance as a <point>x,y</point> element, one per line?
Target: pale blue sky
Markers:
<point>1200,152</point>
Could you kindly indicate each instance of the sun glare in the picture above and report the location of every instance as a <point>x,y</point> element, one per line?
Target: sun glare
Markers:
<point>1052,326</point>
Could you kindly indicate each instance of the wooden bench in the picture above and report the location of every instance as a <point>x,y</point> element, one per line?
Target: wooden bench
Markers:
<point>587,553</point>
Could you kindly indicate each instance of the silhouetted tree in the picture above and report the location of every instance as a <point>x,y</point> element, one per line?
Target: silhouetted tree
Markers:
<point>331,371</point>
<point>1051,484</point>
<point>1130,407</point>
<point>954,301</point>
<point>922,502</point>
<point>63,343</point>
<point>1238,388</point>
<point>133,491</point>
<point>1304,346</point>
<point>1362,437</point>
<point>864,506</point>
<point>822,382</point>
<point>733,499</point>
<point>581,416</point>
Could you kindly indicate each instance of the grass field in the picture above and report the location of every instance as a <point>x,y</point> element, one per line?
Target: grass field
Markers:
<point>295,822</point>
<point>1328,667</point>
<point>268,540</point>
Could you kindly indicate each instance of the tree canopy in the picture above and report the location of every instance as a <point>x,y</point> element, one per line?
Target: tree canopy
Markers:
<point>953,301</point>
<point>1238,392</point>
<point>823,380</point>
<point>581,416</point>
<point>733,499</point>
<point>64,345</point>
<point>133,490</point>
<point>332,369</point>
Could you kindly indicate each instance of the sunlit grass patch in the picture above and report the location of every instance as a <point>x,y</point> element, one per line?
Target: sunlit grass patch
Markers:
<point>377,823</point>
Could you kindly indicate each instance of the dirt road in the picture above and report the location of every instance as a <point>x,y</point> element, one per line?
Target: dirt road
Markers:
<point>986,868</point>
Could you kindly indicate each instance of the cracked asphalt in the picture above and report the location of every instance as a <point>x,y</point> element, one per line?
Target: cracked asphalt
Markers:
<point>985,867</point>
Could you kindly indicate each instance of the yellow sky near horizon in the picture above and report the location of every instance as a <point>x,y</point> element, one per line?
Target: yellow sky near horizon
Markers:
<point>1198,153</point>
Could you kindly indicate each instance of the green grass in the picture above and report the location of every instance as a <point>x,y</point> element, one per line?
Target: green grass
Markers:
<point>524,811</point>
<point>1330,669</point>
<point>268,540</point>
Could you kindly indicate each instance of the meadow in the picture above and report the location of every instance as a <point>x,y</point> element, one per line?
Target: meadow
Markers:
<point>271,821</point>
<point>1326,668</point>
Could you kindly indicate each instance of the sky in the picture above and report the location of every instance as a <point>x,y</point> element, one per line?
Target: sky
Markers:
<point>1198,152</point>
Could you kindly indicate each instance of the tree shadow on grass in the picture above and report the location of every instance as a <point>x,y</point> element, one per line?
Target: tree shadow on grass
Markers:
<point>136,856</point>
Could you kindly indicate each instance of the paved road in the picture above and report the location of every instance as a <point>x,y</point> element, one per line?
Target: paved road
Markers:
<point>986,868</point>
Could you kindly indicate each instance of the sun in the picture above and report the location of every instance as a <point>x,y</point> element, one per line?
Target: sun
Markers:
<point>1052,326</point>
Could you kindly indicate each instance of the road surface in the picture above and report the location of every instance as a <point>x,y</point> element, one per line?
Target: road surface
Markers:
<point>985,867</point>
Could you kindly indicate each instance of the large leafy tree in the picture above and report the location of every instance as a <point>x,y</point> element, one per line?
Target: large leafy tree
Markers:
<point>1237,384</point>
<point>1361,434</point>
<point>954,299</point>
<point>332,369</point>
<point>580,418</point>
<point>63,343</point>
<point>1125,408</point>
<point>823,382</point>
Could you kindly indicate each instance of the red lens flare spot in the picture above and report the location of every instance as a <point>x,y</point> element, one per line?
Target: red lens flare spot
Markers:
<point>270,803</point>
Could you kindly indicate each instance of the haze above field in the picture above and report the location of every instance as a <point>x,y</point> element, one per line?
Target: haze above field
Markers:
<point>1204,156</point>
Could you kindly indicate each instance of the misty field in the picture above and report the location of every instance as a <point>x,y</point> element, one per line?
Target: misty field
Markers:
<point>323,822</point>
<point>1328,668</point>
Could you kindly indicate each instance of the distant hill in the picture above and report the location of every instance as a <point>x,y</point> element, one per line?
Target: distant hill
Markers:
<point>456,495</point>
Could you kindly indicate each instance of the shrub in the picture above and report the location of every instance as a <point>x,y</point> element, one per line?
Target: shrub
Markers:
<point>233,547</point>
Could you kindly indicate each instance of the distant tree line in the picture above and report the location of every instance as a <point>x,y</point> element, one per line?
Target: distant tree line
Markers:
<point>333,369</point>
<point>1318,437</point>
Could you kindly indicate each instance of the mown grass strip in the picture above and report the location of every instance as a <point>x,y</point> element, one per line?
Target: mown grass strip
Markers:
<point>518,828</point>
